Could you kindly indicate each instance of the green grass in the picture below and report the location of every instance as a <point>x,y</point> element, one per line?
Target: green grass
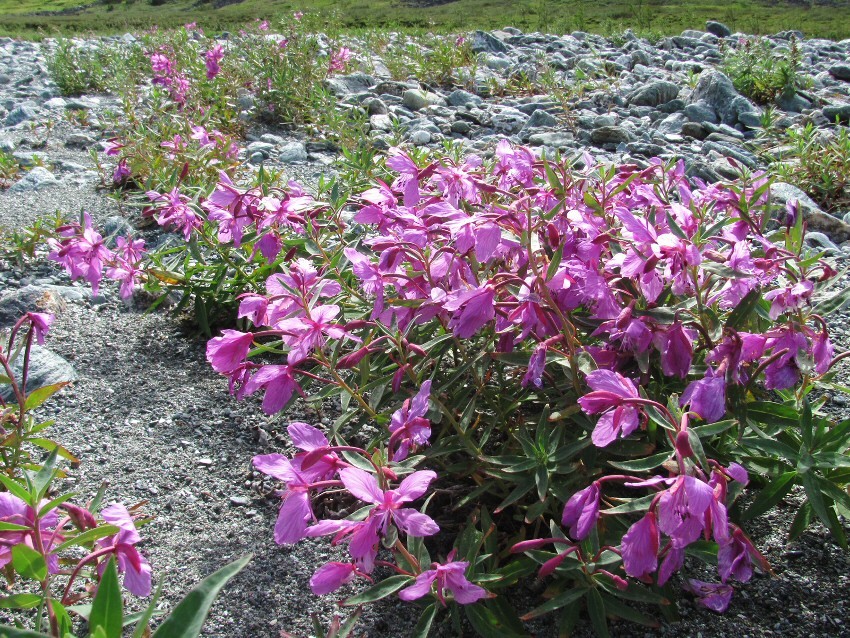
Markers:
<point>815,19</point>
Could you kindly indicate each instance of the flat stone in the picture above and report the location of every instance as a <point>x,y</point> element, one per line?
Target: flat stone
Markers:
<point>45,368</point>
<point>611,135</point>
<point>20,114</point>
<point>654,94</point>
<point>840,72</point>
<point>35,179</point>
<point>292,152</point>
<point>718,28</point>
<point>781,193</point>
<point>416,99</point>
<point>839,111</point>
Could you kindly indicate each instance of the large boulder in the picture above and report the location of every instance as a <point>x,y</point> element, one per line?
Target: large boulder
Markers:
<point>716,91</point>
<point>654,94</point>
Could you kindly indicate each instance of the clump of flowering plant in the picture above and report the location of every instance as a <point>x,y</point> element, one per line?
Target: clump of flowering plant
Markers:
<point>592,358</point>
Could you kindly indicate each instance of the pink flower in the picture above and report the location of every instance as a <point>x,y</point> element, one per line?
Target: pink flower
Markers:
<point>15,511</point>
<point>40,323</point>
<point>536,365</point>
<point>611,390</point>
<point>305,334</point>
<point>640,547</point>
<point>134,566</point>
<point>582,511</point>
<point>366,534</point>
<point>713,596</point>
<point>331,576</point>
<point>409,427</point>
<point>676,351</point>
<point>339,59</point>
<point>212,58</point>
<point>279,384</point>
<point>707,397</point>
<point>472,310</point>
<point>227,352</point>
<point>448,576</point>
<point>682,509</point>
<point>81,251</point>
<point>121,172</point>
<point>295,510</point>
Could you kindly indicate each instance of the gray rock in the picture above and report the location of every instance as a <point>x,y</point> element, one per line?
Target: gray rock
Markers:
<point>701,112</point>
<point>718,28</point>
<point>483,42</point>
<point>420,138</point>
<point>508,120</point>
<point>611,135</point>
<point>654,94</point>
<point>541,118</point>
<point>269,138</point>
<point>672,124</point>
<point>781,193</point>
<point>555,139</point>
<point>20,114</point>
<point>416,99</point>
<point>36,179</point>
<point>45,368</point>
<point>6,145</point>
<point>342,85</point>
<point>115,226</point>
<point>14,304</point>
<point>461,127</point>
<point>375,106</point>
<point>79,140</point>
<point>55,103</point>
<point>840,111</point>
<point>840,72</point>
<point>821,241</point>
<point>694,130</point>
<point>265,148</point>
<point>717,91</point>
<point>459,97</point>
<point>292,152</point>
<point>381,123</point>
<point>81,103</point>
<point>795,103</point>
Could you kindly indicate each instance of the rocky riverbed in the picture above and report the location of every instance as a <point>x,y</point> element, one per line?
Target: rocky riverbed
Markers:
<point>148,415</point>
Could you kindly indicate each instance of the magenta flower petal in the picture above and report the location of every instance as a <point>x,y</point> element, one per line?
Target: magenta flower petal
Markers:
<point>362,485</point>
<point>291,524</point>
<point>713,596</point>
<point>306,437</point>
<point>330,577</point>
<point>415,523</point>
<point>227,352</point>
<point>582,511</point>
<point>414,486</point>
<point>277,466</point>
<point>420,588</point>
<point>640,547</point>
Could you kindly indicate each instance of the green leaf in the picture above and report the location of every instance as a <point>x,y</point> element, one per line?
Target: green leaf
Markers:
<point>801,521</point>
<point>771,495</point>
<point>642,465</point>
<point>617,608</point>
<point>41,481</point>
<point>20,601</point>
<point>29,563</point>
<point>88,536</point>
<point>632,505</point>
<point>561,600</point>
<point>13,632</point>
<point>423,626</point>
<point>144,618</point>
<point>832,304</point>
<point>188,617</point>
<point>39,396</point>
<point>488,624</point>
<point>107,610</point>
<point>824,511</point>
<point>49,445</point>
<point>380,590</point>
<point>596,611</point>
<point>12,527</point>
<point>16,488</point>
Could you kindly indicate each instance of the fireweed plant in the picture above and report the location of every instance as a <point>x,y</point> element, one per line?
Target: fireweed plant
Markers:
<point>63,559</point>
<point>187,97</point>
<point>543,367</point>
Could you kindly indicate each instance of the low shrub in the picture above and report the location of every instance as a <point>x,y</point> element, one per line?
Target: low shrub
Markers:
<point>761,73</point>
<point>577,369</point>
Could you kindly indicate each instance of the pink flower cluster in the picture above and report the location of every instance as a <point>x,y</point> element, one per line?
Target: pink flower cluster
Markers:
<point>82,251</point>
<point>318,467</point>
<point>165,74</point>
